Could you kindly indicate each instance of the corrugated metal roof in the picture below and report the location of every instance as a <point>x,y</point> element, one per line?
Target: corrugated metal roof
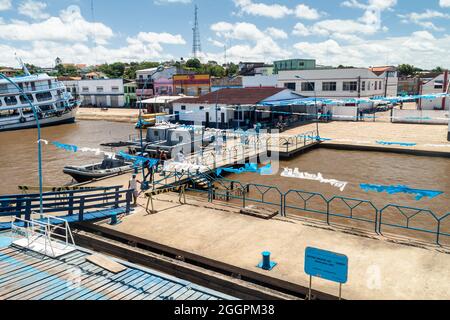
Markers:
<point>25,275</point>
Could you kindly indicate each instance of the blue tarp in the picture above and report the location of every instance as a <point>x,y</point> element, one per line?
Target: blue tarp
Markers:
<point>66,147</point>
<point>138,161</point>
<point>419,193</point>
<point>402,144</point>
<point>249,167</point>
<point>321,101</point>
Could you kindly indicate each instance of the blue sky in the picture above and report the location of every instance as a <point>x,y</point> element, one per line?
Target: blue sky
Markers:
<point>349,32</point>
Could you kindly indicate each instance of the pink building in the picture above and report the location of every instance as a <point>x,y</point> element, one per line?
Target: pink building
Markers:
<point>163,86</point>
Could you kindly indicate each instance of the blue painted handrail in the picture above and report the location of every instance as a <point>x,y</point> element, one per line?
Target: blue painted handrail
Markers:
<point>66,202</point>
<point>303,201</point>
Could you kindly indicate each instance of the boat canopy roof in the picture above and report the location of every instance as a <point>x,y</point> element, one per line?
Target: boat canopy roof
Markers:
<point>34,77</point>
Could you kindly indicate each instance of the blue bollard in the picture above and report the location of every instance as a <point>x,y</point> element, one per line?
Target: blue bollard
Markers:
<point>114,220</point>
<point>266,264</point>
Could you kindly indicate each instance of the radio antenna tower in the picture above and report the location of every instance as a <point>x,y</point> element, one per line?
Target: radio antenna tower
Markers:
<point>196,45</point>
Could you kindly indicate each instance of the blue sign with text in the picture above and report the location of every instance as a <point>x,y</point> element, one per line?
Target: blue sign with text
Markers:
<point>326,265</point>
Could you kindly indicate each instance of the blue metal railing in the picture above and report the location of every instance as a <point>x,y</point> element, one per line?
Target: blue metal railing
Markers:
<point>353,209</point>
<point>371,214</point>
<point>66,203</point>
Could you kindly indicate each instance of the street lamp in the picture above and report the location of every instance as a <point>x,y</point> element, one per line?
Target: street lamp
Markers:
<point>38,125</point>
<point>312,85</point>
<point>159,69</point>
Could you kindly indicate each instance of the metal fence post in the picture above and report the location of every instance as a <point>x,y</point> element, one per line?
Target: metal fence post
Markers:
<point>19,206</point>
<point>376,221</point>
<point>28,211</point>
<point>116,198</point>
<point>328,212</point>
<point>282,205</point>
<point>81,212</point>
<point>128,197</point>
<point>71,204</point>
<point>438,232</point>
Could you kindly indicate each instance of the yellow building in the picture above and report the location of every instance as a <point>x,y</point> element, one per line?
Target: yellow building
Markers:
<point>192,85</point>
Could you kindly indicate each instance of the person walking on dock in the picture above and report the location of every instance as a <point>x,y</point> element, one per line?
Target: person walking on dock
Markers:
<point>151,168</point>
<point>180,157</point>
<point>132,185</point>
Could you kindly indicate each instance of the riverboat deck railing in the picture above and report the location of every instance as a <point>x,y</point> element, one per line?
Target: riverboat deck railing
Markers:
<point>10,90</point>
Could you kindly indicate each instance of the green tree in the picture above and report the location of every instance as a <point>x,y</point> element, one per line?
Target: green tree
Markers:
<point>114,70</point>
<point>131,68</point>
<point>408,70</point>
<point>232,70</point>
<point>438,69</point>
<point>193,64</point>
<point>67,70</point>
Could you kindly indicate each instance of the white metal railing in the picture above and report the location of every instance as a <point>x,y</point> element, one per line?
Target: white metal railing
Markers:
<point>34,230</point>
<point>29,89</point>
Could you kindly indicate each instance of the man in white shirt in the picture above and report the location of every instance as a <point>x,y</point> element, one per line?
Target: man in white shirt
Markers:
<point>132,185</point>
<point>180,157</point>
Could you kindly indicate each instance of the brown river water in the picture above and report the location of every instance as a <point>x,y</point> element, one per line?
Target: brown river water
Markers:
<point>18,151</point>
<point>356,167</point>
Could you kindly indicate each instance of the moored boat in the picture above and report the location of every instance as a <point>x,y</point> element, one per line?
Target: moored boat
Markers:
<point>53,103</point>
<point>104,169</point>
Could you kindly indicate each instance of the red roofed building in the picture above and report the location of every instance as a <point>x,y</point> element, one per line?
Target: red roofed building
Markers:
<point>235,107</point>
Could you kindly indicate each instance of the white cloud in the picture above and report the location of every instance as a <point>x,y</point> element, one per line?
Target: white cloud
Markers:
<point>275,11</point>
<point>276,33</point>
<point>420,18</point>
<point>330,27</point>
<point>302,11</point>
<point>165,38</point>
<point>373,4</point>
<point>382,4</point>
<point>5,5</point>
<point>33,9</point>
<point>238,31</point>
<point>216,43</point>
<point>419,48</point>
<point>353,4</point>
<point>350,30</point>
<point>68,35</point>
<point>69,26</point>
<point>301,30</point>
<point>262,45</point>
<point>444,3</point>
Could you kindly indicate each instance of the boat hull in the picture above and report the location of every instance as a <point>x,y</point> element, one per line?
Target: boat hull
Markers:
<point>85,176</point>
<point>68,117</point>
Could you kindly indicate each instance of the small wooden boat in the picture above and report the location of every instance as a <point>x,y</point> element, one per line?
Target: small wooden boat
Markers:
<point>106,168</point>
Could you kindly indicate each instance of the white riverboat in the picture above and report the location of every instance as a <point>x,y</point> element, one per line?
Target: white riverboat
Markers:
<point>53,103</point>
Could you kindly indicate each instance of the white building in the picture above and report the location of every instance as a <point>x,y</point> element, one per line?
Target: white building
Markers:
<point>235,107</point>
<point>340,83</point>
<point>260,81</point>
<point>439,84</point>
<point>102,93</point>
